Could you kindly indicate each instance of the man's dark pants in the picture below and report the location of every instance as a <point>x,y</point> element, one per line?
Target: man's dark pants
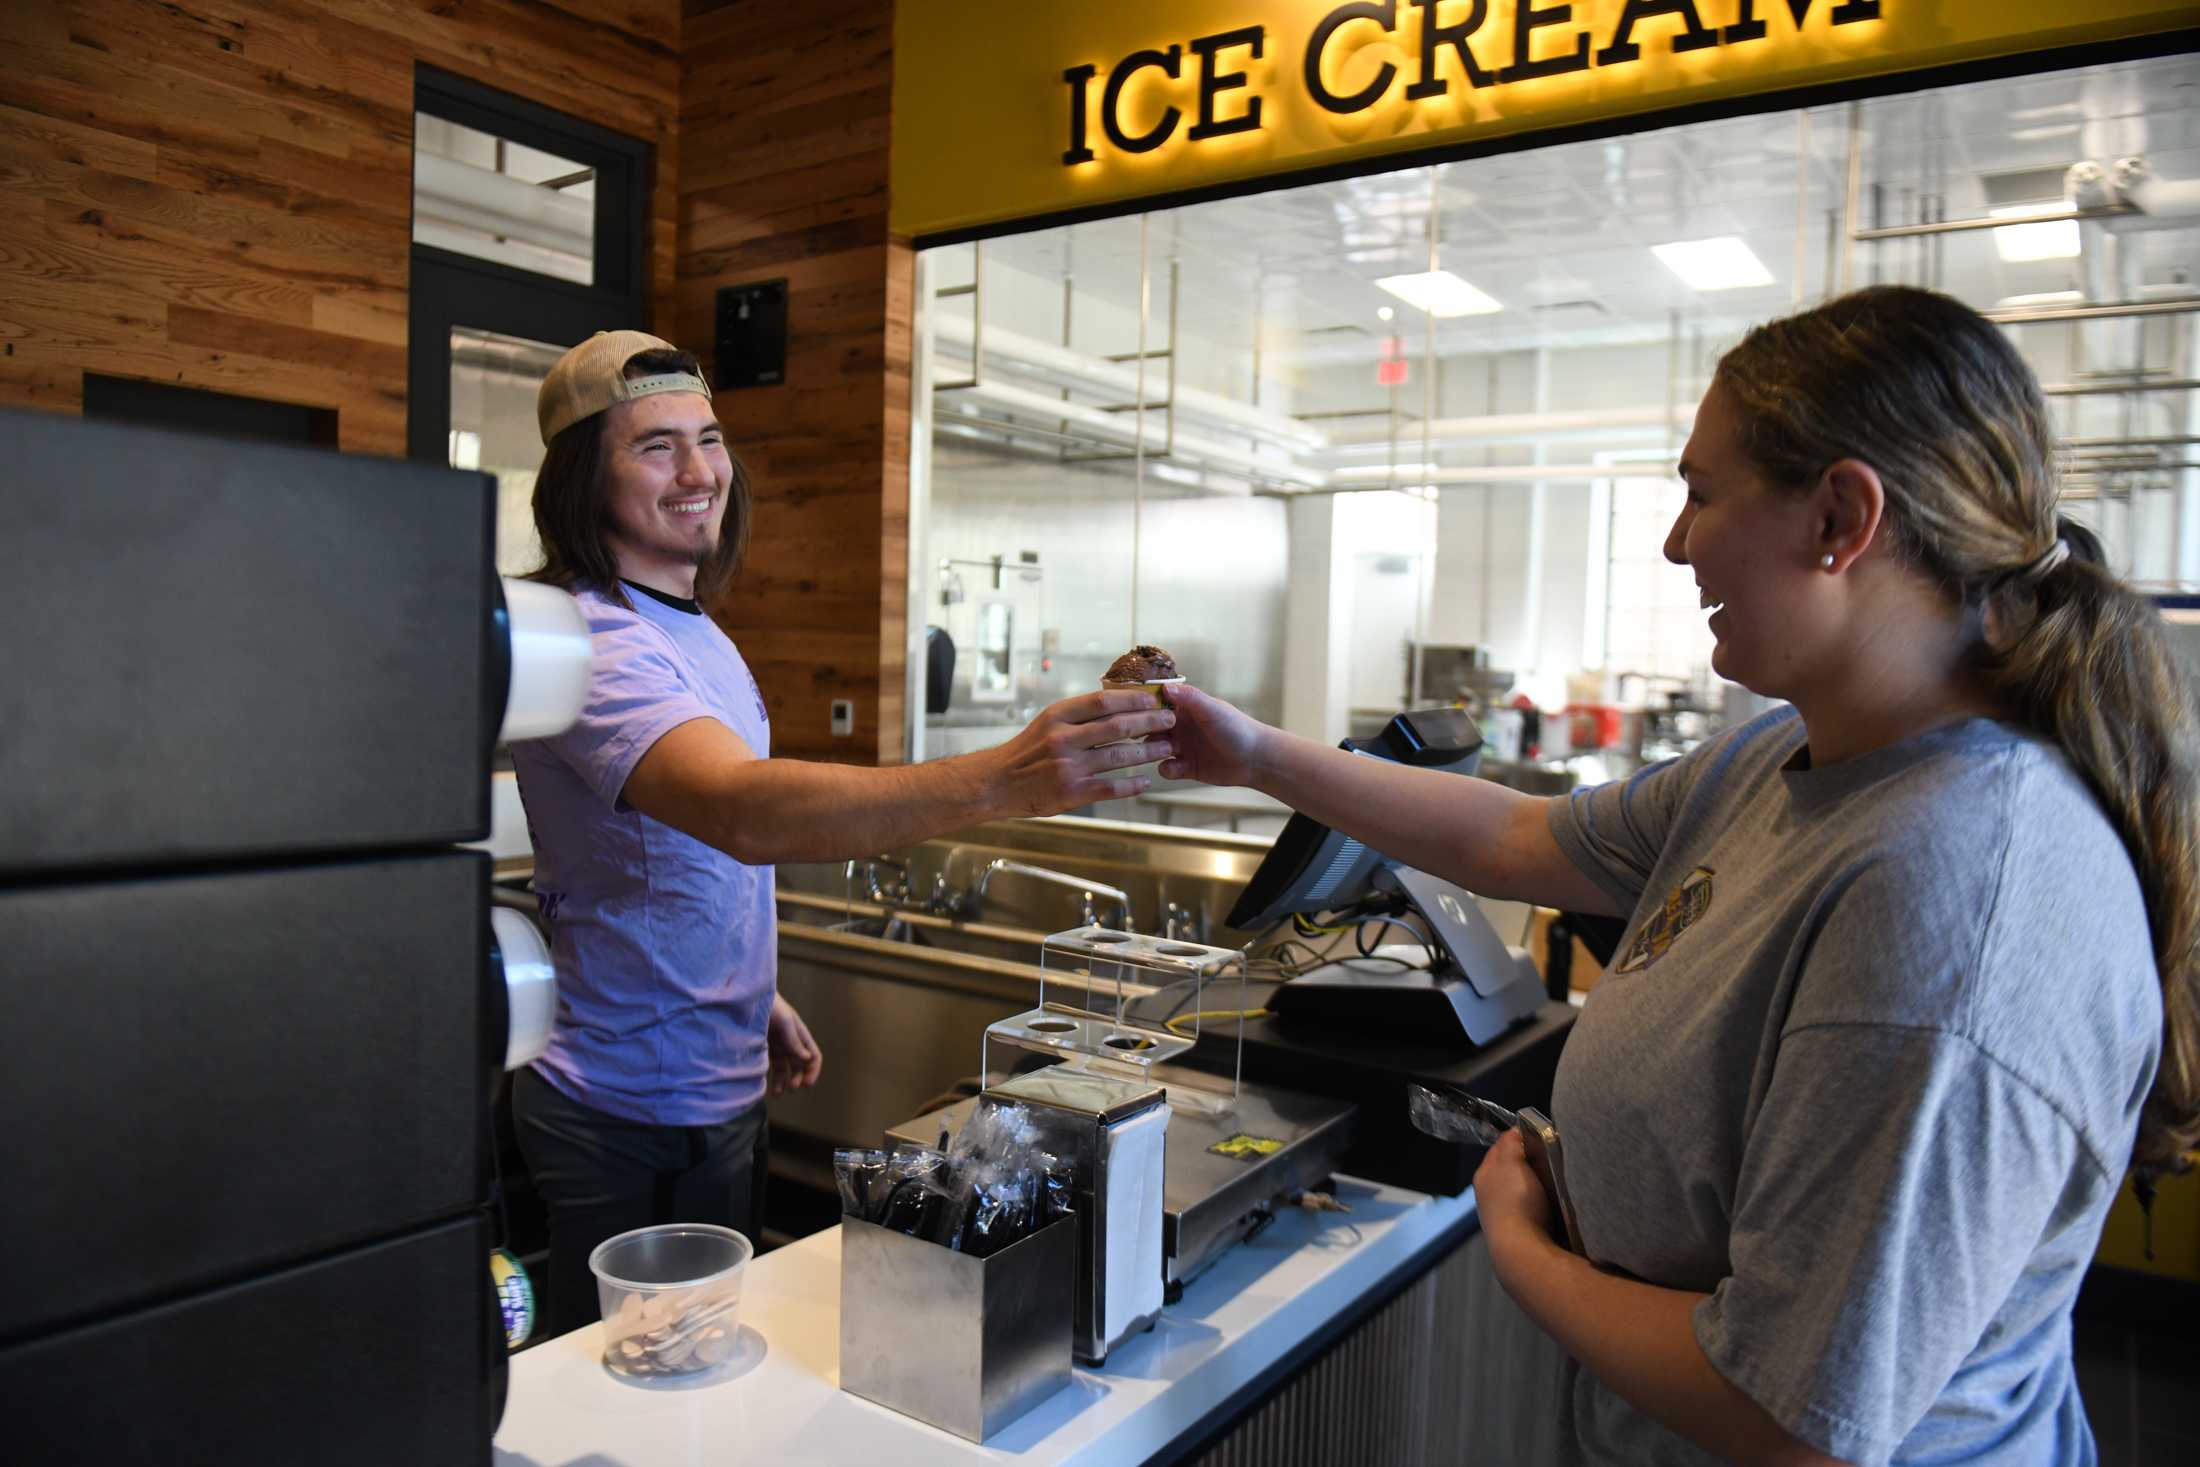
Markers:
<point>601,1175</point>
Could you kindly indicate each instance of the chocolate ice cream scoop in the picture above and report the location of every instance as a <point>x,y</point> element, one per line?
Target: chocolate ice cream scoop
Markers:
<point>1142,664</point>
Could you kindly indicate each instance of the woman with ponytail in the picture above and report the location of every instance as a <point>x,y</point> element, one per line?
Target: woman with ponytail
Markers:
<point>1911,978</point>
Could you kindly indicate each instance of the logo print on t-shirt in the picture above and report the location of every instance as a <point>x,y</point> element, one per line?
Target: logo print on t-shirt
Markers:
<point>1690,900</point>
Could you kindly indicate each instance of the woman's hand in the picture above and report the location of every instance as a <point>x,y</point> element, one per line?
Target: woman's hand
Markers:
<point>1215,744</point>
<point>1637,1338</point>
<point>794,1060</point>
<point>1509,1198</point>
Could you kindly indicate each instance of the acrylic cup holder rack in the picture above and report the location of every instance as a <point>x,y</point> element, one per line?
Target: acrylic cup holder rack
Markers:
<point>1120,999</point>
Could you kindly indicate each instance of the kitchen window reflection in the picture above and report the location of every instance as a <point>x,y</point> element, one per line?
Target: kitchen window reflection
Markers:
<point>494,380</point>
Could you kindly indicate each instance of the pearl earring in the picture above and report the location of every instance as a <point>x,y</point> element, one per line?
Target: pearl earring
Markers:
<point>1826,560</point>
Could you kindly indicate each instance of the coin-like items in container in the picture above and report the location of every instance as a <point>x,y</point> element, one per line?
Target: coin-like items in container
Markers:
<point>678,1332</point>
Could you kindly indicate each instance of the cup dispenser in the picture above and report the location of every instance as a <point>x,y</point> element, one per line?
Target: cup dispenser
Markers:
<point>251,1013</point>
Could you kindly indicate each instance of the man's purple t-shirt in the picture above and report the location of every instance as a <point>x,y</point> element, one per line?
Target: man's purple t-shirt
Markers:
<point>667,950</point>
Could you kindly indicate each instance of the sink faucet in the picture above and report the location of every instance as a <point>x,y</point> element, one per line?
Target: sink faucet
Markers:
<point>945,901</point>
<point>1090,890</point>
<point>877,892</point>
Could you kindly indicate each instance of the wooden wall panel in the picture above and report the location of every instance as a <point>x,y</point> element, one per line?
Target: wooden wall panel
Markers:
<point>220,194</point>
<point>784,134</point>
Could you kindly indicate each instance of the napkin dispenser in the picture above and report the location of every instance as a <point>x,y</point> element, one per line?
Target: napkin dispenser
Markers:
<point>1110,1131</point>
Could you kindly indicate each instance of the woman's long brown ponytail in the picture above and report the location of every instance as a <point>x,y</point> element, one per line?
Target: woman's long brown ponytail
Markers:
<point>2091,668</point>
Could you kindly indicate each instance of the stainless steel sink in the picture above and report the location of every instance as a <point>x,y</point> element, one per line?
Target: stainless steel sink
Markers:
<point>802,914</point>
<point>1171,876</point>
<point>899,997</point>
<point>886,928</point>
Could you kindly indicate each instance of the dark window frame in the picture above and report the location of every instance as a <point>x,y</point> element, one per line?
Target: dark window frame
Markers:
<point>452,290</point>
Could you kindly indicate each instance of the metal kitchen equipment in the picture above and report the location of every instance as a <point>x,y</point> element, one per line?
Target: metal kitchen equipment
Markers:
<point>964,1343</point>
<point>1455,672</point>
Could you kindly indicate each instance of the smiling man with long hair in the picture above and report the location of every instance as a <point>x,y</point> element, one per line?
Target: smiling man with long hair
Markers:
<point>658,817</point>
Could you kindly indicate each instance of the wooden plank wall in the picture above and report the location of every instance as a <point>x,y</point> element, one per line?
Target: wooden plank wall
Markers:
<point>220,194</point>
<point>784,131</point>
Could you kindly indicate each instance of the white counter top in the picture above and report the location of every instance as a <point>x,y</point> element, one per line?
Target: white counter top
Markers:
<point>780,1401</point>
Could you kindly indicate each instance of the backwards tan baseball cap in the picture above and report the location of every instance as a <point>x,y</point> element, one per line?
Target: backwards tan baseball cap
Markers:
<point>592,377</point>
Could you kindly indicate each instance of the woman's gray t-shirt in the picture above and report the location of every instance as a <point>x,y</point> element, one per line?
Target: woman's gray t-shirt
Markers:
<point>1866,1069</point>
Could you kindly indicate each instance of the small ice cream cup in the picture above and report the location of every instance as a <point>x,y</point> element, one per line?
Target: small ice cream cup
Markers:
<point>1153,690</point>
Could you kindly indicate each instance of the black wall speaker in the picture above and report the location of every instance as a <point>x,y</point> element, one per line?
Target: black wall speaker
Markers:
<point>752,335</point>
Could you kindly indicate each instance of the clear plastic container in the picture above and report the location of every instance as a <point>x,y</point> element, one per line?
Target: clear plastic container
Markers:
<point>671,1297</point>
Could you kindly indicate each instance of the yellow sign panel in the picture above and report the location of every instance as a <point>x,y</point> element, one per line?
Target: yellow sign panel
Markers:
<point>1007,109</point>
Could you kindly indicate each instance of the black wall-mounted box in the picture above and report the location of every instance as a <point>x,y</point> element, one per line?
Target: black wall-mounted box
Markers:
<point>752,335</point>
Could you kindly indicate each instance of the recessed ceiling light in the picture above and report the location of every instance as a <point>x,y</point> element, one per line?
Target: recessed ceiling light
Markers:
<point>1440,293</point>
<point>1553,285</point>
<point>2050,239</point>
<point>1384,313</point>
<point>1724,263</point>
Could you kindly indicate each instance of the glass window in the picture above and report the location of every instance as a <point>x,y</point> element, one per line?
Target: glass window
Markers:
<point>486,196</point>
<point>493,427</point>
<point>2124,142</point>
<point>1180,414</point>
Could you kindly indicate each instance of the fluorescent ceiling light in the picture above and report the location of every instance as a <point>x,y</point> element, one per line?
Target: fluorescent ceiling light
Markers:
<point>1381,471</point>
<point>2053,239</point>
<point>1440,293</point>
<point>1724,263</point>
